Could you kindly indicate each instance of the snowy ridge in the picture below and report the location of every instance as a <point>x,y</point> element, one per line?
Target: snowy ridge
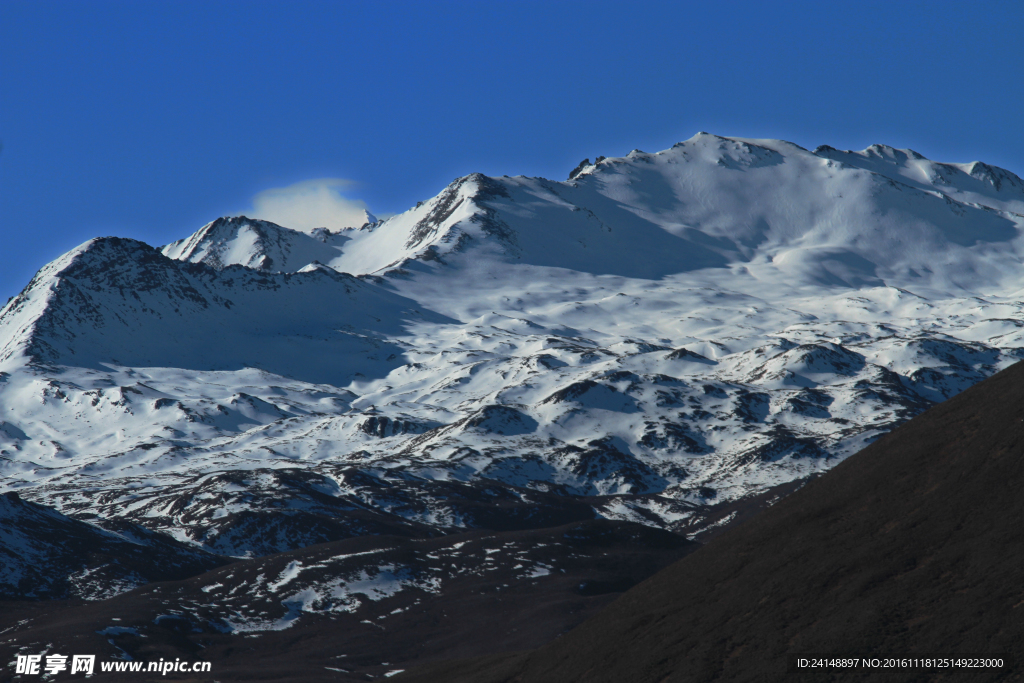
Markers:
<point>120,301</point>
<point>659,335</point>
<point>974,183</point>
<point>821,218</point>
<point>256,244</point>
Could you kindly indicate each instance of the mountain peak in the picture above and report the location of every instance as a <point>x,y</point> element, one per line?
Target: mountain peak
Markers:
<point>119,301</point>
<point>707,201</point>
<point>257,244</point>
<point>232,240</point>
<point>892,153</point>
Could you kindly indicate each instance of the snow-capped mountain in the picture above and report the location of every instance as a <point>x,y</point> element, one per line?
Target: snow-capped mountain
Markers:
<point>657,339</point>
<point>820,218</point>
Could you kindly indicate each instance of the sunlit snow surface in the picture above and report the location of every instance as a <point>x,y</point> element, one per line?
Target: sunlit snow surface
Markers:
<point>664,332</point>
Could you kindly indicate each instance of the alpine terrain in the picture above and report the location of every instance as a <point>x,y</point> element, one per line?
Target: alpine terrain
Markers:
<point>548,387</point>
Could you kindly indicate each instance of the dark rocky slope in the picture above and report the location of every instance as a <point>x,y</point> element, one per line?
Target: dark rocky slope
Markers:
<point>354,609</point>
<point>45,555</point>
<point>912,546</point>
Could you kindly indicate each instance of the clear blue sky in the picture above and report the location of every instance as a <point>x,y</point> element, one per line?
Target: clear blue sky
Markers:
<point>149,119</point>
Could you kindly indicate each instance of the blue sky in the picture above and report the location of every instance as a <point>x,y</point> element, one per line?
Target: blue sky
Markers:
<point>149,119</point>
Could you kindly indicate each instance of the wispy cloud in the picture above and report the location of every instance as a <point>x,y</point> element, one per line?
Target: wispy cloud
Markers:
<point>310,204</point>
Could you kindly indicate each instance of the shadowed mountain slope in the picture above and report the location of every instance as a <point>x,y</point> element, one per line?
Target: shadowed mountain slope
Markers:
<point>355,609</point>
<point>47,555</point>
<point>912,546</point>
<point>117,300</point>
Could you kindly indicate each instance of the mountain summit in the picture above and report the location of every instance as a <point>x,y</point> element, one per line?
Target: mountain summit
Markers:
<point>256,244</point>
<point>821,217</point>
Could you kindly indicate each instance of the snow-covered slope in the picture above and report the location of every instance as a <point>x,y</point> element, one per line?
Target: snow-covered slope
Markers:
<point>120,301</point>
<point>655,339</point>
<point>974,183</point>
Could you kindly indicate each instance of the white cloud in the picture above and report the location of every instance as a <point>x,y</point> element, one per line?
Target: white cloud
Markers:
<point>310,204</point>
